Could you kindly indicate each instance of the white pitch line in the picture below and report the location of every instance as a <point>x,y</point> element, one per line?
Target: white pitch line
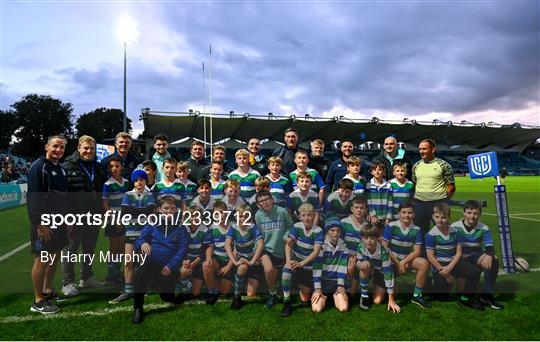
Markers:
<point>513,216</point>
<point>523,214</point>
<point>7,255</point>
<point>503,273</point>
<point>101,312</point>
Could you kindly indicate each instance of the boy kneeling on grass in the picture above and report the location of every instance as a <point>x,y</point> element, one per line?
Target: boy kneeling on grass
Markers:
<point>330,269</point>
<point>374,261</point>
<point>404,239</point>
<point>165,245</point>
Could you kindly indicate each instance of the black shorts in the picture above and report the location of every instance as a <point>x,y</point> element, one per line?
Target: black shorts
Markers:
<point>378,279</point>
<point>223,263</point>
<point>59,239</point>
<point>197,272</point>
<point>302,277</point>
<point>276,262</point>
<point>255,272</point>
<point>111,231</point>
<point>329,287</point>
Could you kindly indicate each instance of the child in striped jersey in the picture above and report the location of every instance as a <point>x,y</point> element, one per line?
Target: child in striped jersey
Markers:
<point>352,228</point>
<point>304,194</point>
<point>169,185</point>
<point>280,186</point>
<point>217,261</point>
<point>380,199</point>
<point>244,246</point>
<point>191,274</point>
<point>113,192</point>
<point>478,249</point>
<point>404,240</point>
<point>330,270</point>
<point>138,204</point>
<point>301,160</point>
<point>339,202</point>
<point>402,188</point>
<point>204,200</point>
<point>353,173</point>
<point>373,261</point>
<point>301,249</point>
<point>217,183</point>
<point>244,174</point>
<point>261,184</point>
<point>188,187</point>
<point>443,249</point>
<point>232,197</point>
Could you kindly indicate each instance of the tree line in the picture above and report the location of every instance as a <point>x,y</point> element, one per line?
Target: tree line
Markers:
<point>27,124</point>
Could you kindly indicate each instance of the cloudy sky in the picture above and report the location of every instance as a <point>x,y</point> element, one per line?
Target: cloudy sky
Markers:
<point>475,61</point>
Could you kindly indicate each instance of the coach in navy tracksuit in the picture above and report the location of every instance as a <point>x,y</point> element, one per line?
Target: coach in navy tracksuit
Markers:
<point>47,189</point>
<point>165,246</point>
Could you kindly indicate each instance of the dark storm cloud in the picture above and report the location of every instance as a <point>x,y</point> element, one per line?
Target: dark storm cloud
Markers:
<point>402,57</point>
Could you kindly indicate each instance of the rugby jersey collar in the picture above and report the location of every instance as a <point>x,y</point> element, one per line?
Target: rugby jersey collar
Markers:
<point>372,182</point>
<point>112,179</point>
<point>339,246</point>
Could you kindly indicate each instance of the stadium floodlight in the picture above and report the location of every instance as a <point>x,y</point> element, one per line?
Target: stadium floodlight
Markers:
<point>127,33</point>
<point>293,117</point>
<point>375,119</point>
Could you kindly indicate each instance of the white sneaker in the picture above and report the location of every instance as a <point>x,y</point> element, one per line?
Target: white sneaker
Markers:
<point>90,283</point>
<point>70,290</point>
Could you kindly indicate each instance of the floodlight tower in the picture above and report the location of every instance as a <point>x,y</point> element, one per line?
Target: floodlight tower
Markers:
<point>127,33</point>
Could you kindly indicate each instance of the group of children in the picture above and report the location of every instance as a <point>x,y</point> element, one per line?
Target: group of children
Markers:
<point>288,231</point>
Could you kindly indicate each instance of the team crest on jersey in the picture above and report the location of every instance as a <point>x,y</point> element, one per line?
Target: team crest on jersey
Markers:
<point>53,173</point>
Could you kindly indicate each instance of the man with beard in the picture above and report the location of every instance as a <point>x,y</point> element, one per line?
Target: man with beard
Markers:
<point>123,144</point>
<point>256,159</point>
<point>287,152</point>
<point>338,168</point>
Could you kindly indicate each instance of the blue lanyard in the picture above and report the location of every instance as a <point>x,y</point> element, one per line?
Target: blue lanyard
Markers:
<point>90,175</point>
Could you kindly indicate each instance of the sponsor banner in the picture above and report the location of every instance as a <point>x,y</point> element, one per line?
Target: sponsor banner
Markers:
<point>12,195</point>
<point>483,165</point>
<point>102,151</point>
<point>503,219</point>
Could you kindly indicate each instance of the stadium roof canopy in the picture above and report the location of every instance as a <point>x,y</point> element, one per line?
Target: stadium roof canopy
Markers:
<point>236,129</point>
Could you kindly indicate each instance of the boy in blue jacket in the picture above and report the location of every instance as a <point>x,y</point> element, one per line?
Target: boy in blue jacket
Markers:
<point>165,246</point>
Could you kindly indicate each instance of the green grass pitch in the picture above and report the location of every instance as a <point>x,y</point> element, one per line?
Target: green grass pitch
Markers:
<point>90,317</point>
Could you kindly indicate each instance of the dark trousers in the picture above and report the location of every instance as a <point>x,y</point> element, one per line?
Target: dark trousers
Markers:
<point>463,269</point>
<point>151,272</point>
<point>490,275</point>
<point>85,238</point>
<point>423,214</point>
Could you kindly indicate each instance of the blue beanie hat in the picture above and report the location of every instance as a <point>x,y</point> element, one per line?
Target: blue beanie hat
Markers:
<point>332,223</point>
<point>136,174</point>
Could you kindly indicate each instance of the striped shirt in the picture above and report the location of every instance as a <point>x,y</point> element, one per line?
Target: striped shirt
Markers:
<point>189,189</point>
<point>334,205</point>
<point>174,189</point>
<point>475,240</point>
<point>244,241</point>
<point>232,206</point>
<point>304,241</point>
<point>317,182</point>
<point>196,240</point>
<point>402,240</point>
<point>215,236</point>
<point>280,190</point>
<point>443,245</point>
<point>359,185</point>
<point>380,200</point>
<point>113,192</point>
<point>380,261</point>
<point>401,193</point>
<point>139,201</point>
<point>247,181</point>
<point>297,200</point>
<point>208,207</point>
<point>331,264</point>
<point>352,234</point>
<point>218,189</point>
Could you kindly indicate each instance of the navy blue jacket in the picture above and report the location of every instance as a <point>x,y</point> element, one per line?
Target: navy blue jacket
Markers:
<point>169,244</point>
<point>47,189</point>
<point>130,163</point>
